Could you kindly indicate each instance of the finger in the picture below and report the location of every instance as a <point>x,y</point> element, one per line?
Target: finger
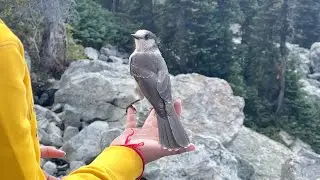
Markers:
<point>151,120</point>
<point>178,107</point>
<point>49,177</point>
<point>51,152</point>
<point>131,118</point>
<point>166,152</point>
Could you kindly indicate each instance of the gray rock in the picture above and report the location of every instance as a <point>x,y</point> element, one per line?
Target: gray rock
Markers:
<point>50,168</point>
<point>265,155</point>
<point>296,52</point>
<point>44,114</point>
<point>70,116</point>
<point>28,60</point>
<point>86,145</point>
<point>210,161</point>
<point>104,58</point>
<point>310,89</point>
<point>210,103</point>
<point>304,166</point>
<point>286,138</point>
<point>69,133</point>
<point>74,165</point>
<point>48,131</point>
<point>298,145</point>
<point>42,162</point>
<point>108,136</point>
<point>110,50</point>
<point>115,59</point>
<point>315,76</point>
<point>97,90</point>
<point>315,56</point>
<point>55,135</point>
<point>91,53</point>
<point>58,108</point>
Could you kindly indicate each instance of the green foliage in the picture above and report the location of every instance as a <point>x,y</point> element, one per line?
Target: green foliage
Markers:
<point>97,26</point>
<point>306,24</point>
<point>75,51</point>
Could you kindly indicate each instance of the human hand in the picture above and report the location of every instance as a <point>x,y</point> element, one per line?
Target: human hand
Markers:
<point>51,152</point>
<point>146,139</point>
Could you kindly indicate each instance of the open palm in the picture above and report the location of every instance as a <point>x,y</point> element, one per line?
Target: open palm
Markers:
<point>146,138</point>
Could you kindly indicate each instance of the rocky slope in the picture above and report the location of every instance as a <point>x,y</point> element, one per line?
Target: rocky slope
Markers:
<point>89,112</point>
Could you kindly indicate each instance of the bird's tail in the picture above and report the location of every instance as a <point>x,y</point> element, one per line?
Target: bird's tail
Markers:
<point>172,135</point>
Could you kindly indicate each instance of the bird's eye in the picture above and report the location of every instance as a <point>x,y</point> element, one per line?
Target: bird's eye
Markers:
<point>147,37</point>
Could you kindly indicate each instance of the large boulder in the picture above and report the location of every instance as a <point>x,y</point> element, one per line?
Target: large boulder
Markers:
<point>209,106</point>
<point>315,56</point>
<point>265,155</point>
<point>210,161</point>
<point>304,166</point>
<point>96,90</point>
<point>85,146</point>
<point>91,53</point>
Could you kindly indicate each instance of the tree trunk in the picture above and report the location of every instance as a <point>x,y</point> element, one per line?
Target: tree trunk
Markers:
<point>283,51</point>
<point>53,52</point>
<point>54,39</point>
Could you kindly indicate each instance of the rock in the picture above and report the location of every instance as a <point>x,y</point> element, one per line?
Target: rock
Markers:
<point>303,166</point>
<point>110,50</point>
<point>70,116</point>
<point>85,146</point>
<point>104,58</point>
<point>210,103</point>
<point>298,145</point>
<point>47,97</point>
<point>303,55</point>
<point>286,138</point>
<point>74,165</point>
<point>55,135</point>
<point>96,89</point>
<point>210,161</point>
<point>315,76</point>
<point>69,133</point>
<point>28,60</point>
<point>42,162</point>
<point>48,124</point>
<point>50,168</point>
<point>265,155</point>
<point>58,108</point>
<point>91,53</point>
<point>115,59</point>
<point>44,114</point>
<point>310,89</point>
<point>295,144</point>
<point>315,56</point>
<point>108,136</point>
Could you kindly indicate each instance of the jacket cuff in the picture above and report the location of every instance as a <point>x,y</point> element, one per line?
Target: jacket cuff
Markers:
<point>121,161</point>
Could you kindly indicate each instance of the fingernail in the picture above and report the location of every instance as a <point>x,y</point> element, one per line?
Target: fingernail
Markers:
<point>62,152</point>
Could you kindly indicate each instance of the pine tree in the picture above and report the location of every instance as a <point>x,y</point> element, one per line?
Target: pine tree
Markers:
<point>306,19</point>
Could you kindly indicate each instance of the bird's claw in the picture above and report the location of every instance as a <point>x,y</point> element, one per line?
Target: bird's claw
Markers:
<point>131,106</point>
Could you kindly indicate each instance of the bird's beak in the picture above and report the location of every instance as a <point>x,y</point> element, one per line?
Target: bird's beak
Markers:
<point>136,36</point>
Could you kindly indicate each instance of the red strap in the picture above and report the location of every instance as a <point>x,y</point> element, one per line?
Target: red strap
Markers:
<point>135,147</point>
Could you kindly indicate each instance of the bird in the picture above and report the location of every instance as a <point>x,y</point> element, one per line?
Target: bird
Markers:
<point>152,81</point>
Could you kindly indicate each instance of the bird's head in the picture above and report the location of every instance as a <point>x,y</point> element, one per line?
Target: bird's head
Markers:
<point>145,40</point>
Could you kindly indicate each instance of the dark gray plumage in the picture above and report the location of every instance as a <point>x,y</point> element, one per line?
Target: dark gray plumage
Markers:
<point>150,71</point>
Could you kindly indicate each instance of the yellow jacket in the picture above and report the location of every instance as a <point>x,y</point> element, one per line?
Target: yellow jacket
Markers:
<point>19,145</point>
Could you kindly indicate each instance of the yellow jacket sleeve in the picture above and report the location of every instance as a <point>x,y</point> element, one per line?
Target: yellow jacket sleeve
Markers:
<point>114,163</point>
<point>19,145</point>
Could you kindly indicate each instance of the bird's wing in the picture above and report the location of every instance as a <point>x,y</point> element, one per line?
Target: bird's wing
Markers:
<point>154,81</point>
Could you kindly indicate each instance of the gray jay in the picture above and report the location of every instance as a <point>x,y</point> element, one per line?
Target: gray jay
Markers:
<point>150,72</point>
